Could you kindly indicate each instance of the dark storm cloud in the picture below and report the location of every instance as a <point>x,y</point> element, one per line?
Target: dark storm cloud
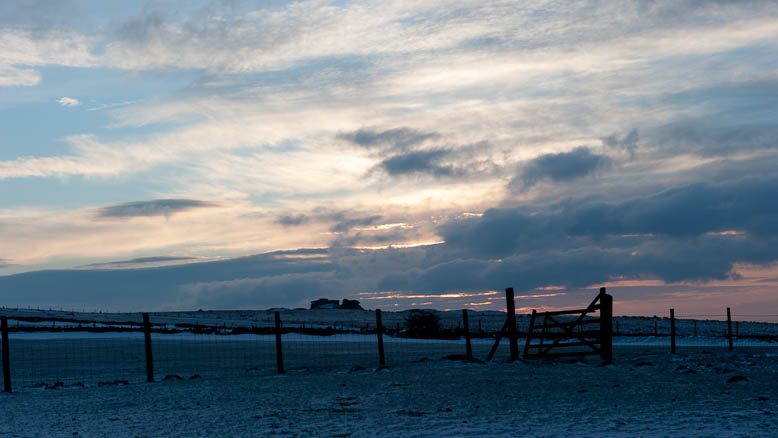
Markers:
<point>564,166</point>
<point>704,259</point>
<point>291,289</point>
<point>157,207</point>
<point>690,211</point>
<point>131,289</point>
<point>399,138</point>
<point>674,235</point>
<point>746,205</point>
<point>293,220</point>
<point>418,162</point>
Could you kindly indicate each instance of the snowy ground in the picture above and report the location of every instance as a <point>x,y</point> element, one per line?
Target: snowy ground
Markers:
<point>332,387</point>
<point>84,358</point>
<point>640,395</point>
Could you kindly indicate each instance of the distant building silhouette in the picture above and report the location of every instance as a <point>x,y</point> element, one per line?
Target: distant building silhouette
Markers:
<point>350,304</point>
<point>326,303</point>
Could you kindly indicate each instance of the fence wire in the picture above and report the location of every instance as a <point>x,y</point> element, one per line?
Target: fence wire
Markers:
<point>61,354</point>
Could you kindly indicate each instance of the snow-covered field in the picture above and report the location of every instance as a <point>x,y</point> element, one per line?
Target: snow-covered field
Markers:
<point>227,385</point>
<point>718,394</point>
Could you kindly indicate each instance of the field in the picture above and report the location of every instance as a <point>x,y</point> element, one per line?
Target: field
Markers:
<point>93,383</point>
<point>701,394</point>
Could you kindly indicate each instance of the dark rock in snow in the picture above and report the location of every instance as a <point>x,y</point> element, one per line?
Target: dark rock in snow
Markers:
<point>298,370</point>
<point>411,413</point>
<point>462,358</point>
<point>734,379</point>
<point>685,370</point>
<point>171,377</point>
<point>113,382</point>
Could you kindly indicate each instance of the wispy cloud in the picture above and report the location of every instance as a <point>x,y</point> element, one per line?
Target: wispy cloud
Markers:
<point>157,207</point>
<point>293,220</point>
<point>69,101</point>
<point>428,161</point>
<point>397,138</point>
<point>22,51</point>
<point>140,262</point>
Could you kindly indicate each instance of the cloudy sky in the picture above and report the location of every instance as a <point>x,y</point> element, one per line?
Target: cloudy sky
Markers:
<point>229,154</point>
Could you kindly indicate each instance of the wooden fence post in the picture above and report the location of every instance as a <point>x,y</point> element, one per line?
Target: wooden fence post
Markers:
<point>380,334</point>
<point>606,325</point>
<point>512,323</point>
<point>729,328</point>
<point>695,328</point>
<point>468,347</point>
<point>147,338</point>
<point>279,350</point>
<point>529,332</point>
<point>672,331</point>
<point>6,356</point>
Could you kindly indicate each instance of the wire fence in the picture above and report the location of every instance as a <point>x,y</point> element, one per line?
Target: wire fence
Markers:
<point>52,353</point>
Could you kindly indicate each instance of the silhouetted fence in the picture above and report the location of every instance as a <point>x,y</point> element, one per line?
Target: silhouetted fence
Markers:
<point>60,352</point>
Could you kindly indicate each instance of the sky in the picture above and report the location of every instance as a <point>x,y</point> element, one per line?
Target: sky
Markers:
<point>237,154</point>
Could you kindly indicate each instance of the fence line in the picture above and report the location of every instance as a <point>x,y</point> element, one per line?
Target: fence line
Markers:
<point>34,353</point>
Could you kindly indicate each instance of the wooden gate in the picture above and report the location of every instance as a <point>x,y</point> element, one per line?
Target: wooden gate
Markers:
<point>572,332</point>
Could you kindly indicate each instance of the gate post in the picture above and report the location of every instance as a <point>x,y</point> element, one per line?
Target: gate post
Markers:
<point>729,328</point>
<point>147,339</point>
<point>512,324</point>
<point>606,326</point>
<point>6,356</point>
<point>279,351</point>
<point>468,347</point>
<point>672,331</point>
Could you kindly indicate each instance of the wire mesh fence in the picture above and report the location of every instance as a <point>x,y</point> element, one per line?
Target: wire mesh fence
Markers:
<point>56,353</point>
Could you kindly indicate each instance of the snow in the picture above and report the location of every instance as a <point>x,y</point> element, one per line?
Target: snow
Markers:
<point>332,386</point>
<point>640,395</point>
